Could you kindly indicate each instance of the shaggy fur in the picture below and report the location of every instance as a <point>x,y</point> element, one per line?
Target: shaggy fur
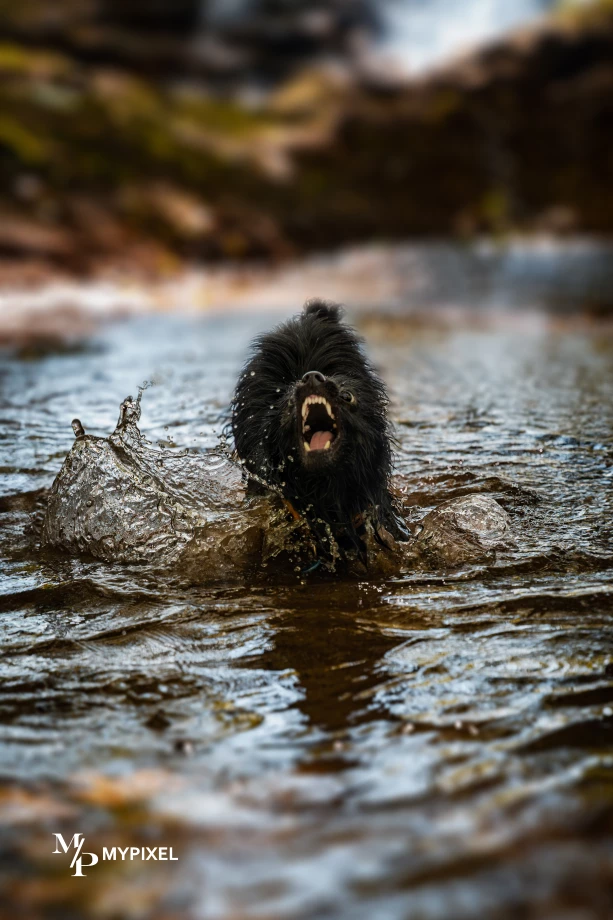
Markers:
<point>316,358</point>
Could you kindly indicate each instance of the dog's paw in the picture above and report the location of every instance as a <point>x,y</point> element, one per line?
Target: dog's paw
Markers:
<point>324,309</point>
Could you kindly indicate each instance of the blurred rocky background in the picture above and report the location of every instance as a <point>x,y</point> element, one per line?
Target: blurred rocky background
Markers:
<point>136,135</point>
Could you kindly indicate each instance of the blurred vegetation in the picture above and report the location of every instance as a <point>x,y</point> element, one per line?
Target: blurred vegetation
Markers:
<point>101,162</point>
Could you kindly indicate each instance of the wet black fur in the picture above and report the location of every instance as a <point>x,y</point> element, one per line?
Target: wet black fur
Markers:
<point>354,481</point>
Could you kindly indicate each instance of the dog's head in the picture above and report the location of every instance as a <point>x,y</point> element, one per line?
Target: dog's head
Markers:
<point>309,418</point>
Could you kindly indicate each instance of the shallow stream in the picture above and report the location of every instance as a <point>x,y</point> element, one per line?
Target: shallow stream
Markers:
<point>434,745</point>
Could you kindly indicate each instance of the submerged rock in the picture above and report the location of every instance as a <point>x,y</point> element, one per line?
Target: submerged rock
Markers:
<point>119,499</point>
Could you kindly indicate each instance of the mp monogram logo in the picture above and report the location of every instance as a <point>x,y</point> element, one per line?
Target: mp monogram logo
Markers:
<point>77,860</point>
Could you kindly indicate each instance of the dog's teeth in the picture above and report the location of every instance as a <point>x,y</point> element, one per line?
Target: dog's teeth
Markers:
<point>327,445</point>
<point>306,427</point>
<point>306,445</point>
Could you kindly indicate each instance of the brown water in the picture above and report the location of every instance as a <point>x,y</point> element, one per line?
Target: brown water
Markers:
<point>435,745</point>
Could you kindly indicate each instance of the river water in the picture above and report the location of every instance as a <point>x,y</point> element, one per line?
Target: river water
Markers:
<point>437,745</point>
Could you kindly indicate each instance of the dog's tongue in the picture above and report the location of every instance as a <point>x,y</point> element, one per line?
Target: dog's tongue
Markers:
<point>320,439</point>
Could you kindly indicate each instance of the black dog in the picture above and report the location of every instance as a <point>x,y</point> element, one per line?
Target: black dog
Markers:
<point>309,419</point>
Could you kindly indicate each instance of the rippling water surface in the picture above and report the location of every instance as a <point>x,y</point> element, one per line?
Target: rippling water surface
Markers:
<point>437,745</point>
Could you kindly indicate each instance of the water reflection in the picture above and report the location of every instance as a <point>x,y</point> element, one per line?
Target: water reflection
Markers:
<point>336,652</point>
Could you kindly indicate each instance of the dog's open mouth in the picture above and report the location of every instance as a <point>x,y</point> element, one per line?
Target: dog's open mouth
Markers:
<point>319,427</point>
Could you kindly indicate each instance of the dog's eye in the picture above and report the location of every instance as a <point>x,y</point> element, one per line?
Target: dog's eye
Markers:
<point>347,396</point>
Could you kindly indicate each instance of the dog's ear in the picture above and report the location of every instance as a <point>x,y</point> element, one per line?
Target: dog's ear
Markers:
<point>324,309</point>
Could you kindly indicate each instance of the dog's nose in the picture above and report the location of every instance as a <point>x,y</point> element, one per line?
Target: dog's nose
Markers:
<point>313,377</point>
